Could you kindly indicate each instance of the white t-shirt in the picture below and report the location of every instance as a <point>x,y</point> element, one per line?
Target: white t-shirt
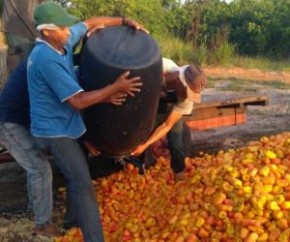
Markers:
<point>184,107</point>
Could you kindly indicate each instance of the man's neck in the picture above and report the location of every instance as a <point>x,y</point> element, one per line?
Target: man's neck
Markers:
<point>55,45</point>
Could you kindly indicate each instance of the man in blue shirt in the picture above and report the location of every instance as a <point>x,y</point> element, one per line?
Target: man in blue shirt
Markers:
<point>55,100</point>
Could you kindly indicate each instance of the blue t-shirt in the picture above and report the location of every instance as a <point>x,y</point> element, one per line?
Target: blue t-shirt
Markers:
<point>51,81</point>
<point>14,100</point>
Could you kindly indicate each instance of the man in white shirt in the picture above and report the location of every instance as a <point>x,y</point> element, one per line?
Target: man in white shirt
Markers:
<point>182,87</point>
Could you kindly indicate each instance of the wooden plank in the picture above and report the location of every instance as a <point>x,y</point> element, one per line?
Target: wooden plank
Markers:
<point>211,112</point>
<point>236,102</point>
<point>222,113</point>
<point>216,122</point>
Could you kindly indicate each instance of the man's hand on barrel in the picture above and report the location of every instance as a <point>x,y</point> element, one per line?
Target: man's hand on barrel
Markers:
<point>94,29</point>
<point>117,98</point>
<point>93,151</point>
<point>134,24</point>
<point>128,85</point>
<point>97,23</point>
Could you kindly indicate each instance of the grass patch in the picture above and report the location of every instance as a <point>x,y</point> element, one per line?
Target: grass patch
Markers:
<point>183,52</point>
<point>238,85</point>
<point>210,82</point>
<point>258,63</point>
<point>275,84</point>
<point>175,49</point>
<point>234,84</point>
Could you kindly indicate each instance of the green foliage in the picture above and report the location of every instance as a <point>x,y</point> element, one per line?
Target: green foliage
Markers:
<point>183,52</point>
<point>148,12</point>
<point>201,54</point>
<point>175,49</point>
<point>261,63</point>
<point>238,85</point>
<point>205,31</point>
<point>64,3</point>
<point>176,18</point>
<point>254,27</point>
<point>247,27</point>
<point>223,54</point>
<point>277,84</point>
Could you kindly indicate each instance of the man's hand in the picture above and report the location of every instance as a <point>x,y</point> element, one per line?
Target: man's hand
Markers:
<point>93,151</point>
<point>94,29</point>
<point>128,85</point>
<point>100,22</point>
<point>134,24</point>
<point>117,98</point>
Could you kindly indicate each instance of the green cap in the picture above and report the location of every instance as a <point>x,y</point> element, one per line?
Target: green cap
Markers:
<point>52,13</point>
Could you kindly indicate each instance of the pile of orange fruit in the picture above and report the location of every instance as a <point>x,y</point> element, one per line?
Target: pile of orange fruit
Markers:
<point>231,196</point>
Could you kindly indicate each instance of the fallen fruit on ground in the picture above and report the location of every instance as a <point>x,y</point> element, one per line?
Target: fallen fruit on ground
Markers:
<point>234,195</point>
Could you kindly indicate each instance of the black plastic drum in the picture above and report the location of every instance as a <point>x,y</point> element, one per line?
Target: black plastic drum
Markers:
<point>117,130</point>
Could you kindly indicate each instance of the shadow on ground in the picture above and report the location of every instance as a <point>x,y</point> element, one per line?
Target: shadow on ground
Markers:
<point>13,189</point>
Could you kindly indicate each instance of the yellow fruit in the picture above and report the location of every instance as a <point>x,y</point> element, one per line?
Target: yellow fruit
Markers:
<point>273,205</point>
<point>253,237</point>
<point>265,171</point>
<point>200,222</point>
<point>237,183</point>
<point>278,214</point>
<point>264,139</point>
<point>270,154</point>
<point>219,198</point>
<point>263,237</point>
<point>286,205</point>
<point>284,236</point>
<point>244,233</point>
<point>247,189</point>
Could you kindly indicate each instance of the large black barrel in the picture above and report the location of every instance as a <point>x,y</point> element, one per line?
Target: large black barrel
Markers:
<point>117,130</point>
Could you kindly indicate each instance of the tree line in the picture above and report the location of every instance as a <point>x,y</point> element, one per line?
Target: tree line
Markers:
<point>203,28</point>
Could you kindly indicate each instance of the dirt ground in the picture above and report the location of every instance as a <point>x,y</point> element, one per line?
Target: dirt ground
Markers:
<point>247,74</point>
<point>16,222</point>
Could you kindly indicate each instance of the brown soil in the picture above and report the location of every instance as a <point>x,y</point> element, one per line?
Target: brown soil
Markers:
<point>247,74</point>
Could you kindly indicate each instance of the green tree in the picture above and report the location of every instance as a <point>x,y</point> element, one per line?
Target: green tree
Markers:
<point>147,12</point>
